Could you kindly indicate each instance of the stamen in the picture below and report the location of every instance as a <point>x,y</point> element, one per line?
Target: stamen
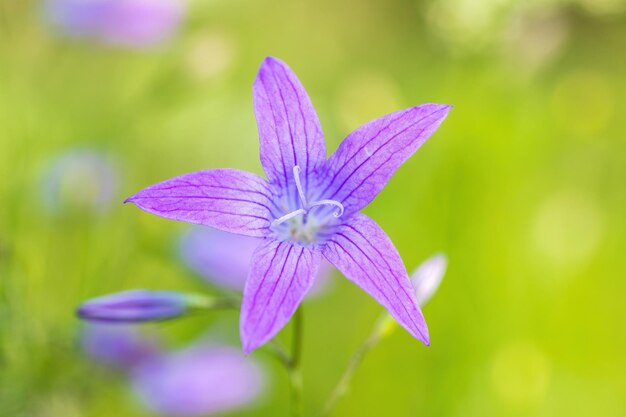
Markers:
<point>305,205</point>
<point>288,216</point>
<point>335,203</point>
<point>296,176</point>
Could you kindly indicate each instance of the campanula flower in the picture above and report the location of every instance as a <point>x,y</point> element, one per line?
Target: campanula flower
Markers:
<point>223,258</point>
<point>201,380</point>
<point>134,306</point>
<point>129,23</point>
<point>428,276</point>
<point>308,207</point>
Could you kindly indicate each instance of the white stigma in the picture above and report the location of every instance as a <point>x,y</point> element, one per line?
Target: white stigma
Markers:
<point>296,176</point>
<point>288,216</point>
<point>335,203</point>
<point>305,205</point>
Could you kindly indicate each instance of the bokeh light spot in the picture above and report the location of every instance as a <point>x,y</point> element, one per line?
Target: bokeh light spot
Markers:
<point>567,228</point>
<point>79,180</point>
<point>520,373</point>
<point>210,54</point>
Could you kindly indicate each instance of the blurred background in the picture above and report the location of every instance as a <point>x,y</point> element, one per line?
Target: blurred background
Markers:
<point>522,187</point>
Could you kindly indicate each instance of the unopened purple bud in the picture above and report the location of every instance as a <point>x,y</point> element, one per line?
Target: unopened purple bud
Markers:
<point>428,276</point>
<point>134,306</point>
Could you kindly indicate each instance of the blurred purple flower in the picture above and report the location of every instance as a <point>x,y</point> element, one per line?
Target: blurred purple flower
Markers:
<point>130,23</point>
<point>79,179</point>
<point>219,257</point>
<point>223,258</point>
<point>310,206</point>
<point>428,276</point>
<point>201,380</point>
<point>133,306</point>
<point>120,346</point>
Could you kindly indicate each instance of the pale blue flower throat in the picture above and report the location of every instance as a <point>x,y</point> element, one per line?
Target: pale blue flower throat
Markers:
<point>306,206</point>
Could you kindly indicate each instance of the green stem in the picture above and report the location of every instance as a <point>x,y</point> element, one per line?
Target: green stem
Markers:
<point>201,303</point>
<point>381,328</point>
<point>295,373</point>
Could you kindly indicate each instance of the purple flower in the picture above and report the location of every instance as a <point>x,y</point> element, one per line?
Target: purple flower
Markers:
<point>201,380</point>
<point>134,306</point>
<point>219,257</point>
<point>120,346</point>
<point>428,276</point>
<point>223,258</point>
<point>132,23</point>
<point>308,207</point>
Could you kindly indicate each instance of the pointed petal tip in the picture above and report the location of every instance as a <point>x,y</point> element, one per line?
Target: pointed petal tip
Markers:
<point>268,65</point>
<point>248,346</point>
<point>272,59</point>
<point>440,255</point>
<point>441,108</point>
<point>436,111</point>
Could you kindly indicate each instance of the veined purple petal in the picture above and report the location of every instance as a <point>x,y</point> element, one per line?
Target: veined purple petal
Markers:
<point>120,346</point>
<point>369,156</point>
<point>289,129</point>
<point>281,275</point>
<point>199,381</point>
<point>133,306</point>
<point>223,258</point>
<point>227,199</point>
<point>428,276</point>
<point>365,255</point>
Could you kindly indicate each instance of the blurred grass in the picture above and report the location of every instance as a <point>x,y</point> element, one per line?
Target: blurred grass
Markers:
<point>522,187</point>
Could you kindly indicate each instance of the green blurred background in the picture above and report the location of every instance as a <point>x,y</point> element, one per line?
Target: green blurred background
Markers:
<point>522,187</point>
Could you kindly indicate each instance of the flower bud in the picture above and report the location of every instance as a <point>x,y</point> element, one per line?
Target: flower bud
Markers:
<point>428,276</point>
<point>134,306</point>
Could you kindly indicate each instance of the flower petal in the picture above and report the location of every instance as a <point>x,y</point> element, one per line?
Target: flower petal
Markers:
<point>370,155</point>
<point>223,259</point>
<point>227,199</point>
<point>281,275</point>
<point>289,129</point>
<point>362,251</point>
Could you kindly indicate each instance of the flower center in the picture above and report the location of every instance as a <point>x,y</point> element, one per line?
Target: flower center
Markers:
<point>306,205</point>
